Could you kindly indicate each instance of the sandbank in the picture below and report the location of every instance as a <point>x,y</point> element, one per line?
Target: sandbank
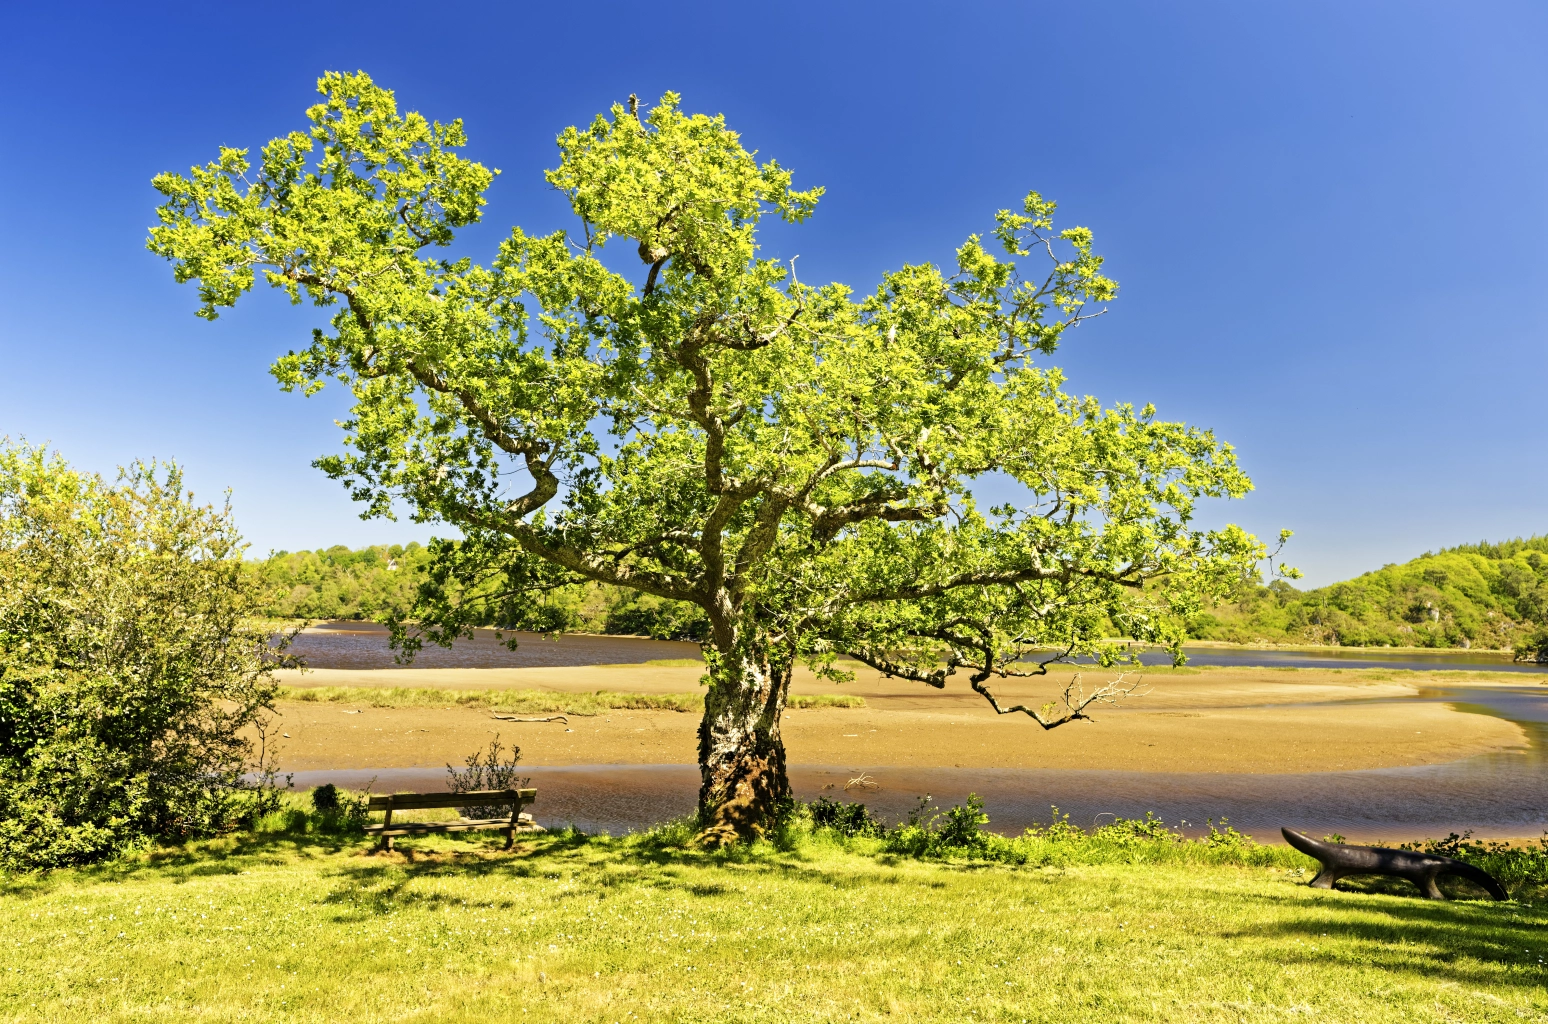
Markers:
<point>1260,721</point>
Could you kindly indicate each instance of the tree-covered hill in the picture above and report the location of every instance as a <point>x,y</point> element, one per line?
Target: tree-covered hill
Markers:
<point>378,583</point>
<point>1475,595</point>
<point>340,583</point>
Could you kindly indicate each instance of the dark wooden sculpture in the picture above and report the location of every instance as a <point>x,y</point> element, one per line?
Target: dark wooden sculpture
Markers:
<point>1421,869</point>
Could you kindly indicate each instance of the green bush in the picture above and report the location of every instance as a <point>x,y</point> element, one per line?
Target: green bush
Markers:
<point>1533,646</point>
<point>1520,869</point>
<point>843,818</point>
<point>128,663</point>
<point>325,799</point>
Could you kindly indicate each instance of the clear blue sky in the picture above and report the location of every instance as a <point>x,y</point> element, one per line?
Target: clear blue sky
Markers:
<point>1328,219</point>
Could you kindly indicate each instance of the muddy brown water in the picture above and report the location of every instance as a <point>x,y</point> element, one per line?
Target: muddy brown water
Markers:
<point>1493,795</point>
<point>363,645</point>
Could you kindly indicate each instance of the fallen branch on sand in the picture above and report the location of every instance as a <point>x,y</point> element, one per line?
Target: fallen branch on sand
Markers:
<point>513,718</point>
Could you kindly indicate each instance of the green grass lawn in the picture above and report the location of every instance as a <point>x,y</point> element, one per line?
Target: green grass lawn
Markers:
<point>279,927</point>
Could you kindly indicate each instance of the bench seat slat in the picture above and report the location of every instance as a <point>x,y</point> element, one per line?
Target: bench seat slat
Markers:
<point>412,828</point>
<point>419,801</point>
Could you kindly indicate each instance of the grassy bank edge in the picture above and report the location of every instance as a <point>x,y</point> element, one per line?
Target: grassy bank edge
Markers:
<point>534,701</point>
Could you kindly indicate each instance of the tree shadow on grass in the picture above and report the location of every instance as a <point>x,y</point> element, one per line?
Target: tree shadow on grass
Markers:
<point>1476,943</point>
<point>230,855</point>
<point>378,883</point>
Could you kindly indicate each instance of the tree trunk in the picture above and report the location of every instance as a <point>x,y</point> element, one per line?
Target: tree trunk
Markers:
<point>741,754</point>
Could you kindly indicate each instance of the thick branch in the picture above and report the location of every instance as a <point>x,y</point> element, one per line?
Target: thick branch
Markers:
<point>828,521</point>
<point>650,280</point>
<point>1124,578</point>
<point>935,678</point>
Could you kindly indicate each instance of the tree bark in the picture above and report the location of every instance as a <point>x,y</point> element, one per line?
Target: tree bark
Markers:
<point>741,753</point>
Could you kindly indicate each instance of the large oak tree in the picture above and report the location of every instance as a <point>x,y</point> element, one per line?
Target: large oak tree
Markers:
<point>796,460</point>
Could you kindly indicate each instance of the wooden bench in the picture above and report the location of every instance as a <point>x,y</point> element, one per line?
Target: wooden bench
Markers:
<point>518,821</point>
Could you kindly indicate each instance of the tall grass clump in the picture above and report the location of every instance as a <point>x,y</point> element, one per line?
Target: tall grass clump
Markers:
<point>524,701</point>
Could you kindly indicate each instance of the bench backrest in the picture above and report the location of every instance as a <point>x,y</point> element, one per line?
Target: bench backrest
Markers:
<point>478,798</point>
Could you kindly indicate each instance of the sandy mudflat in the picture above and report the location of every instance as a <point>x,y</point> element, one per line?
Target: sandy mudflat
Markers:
<point>1229,720</point>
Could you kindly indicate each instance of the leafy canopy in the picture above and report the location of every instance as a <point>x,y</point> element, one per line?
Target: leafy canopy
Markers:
<point>797,460</point>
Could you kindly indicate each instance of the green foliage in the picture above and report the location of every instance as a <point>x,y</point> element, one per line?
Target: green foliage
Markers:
<point>525,701</point>
<point>844,818</point>
<point>636,614</point>
<point>530,701</point>
<point>1533,646</point>
<point>1522,870</point>
<point>381,584</point>
<point>962,831</point>
<point>1478,595</point>
<point>824,700</point>
<point>372,583</point>
<point>129,662</point>
<point>334,811</point>
<point>794,461</point>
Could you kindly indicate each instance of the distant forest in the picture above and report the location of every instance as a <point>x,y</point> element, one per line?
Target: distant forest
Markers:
<point>1477,595</point>
<point>378,583</point>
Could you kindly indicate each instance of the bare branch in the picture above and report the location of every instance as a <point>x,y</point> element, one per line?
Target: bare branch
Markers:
<point>1073,702</point>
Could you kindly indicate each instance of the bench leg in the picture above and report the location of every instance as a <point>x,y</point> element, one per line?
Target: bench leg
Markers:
<point>510,830</point>
<point>386,844</point>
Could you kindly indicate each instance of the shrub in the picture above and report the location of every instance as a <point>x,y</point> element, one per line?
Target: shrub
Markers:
<point>962,826</point>
<point>1520,869</point>
<point>1533,646</point>
<point>931,833</point>
<point>491,769</point>
<point>129,662</point>
<point>1124,831</point>
<point>845,819</point>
